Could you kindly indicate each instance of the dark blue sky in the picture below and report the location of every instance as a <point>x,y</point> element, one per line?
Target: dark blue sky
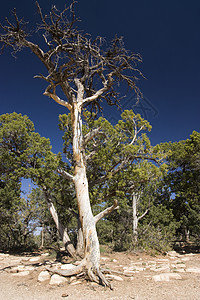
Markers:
<point>165,33</point>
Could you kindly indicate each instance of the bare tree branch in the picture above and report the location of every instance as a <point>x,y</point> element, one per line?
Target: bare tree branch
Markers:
<point>56,98</point>
<point>65,174</point>
<point>90,135</point>
<point>106,211</point>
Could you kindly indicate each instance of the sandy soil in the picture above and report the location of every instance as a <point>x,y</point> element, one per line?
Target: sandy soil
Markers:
<point>139,285</point>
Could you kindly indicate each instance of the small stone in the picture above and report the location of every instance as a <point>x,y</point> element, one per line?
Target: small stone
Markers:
<point>180,270</point>
<point>104,258</point>
<point>67,266</point>
<point>166,277</point>
<point>25,258</point>
<point>178,266</point>
<point>193,270</point>
<point>161,268</point>
<point>94,284</point>
<point>114,260</point>
<point>34,259</point>
<point>23,273</point>
<point>57,279</point>
<point>45,254</point>
<point>185,259</point>
<point>76,282</point>
<point>4,254</point>
<point>29,268</point>
<point>65,295</point>
<point>129,272</point>
<point>161,260</point>
<point>72,278</point>
<point>43,276</point>
<point>114,277</point>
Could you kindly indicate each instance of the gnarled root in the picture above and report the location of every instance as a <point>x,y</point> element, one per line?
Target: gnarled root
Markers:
<point>103,280</point>
<point>94,276</point>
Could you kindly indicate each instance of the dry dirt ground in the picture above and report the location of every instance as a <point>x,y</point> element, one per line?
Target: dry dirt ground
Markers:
<point>140,277</point>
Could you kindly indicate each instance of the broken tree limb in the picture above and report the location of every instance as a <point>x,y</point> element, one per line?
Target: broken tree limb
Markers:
<point>107,211</point>
<point>65,174</point>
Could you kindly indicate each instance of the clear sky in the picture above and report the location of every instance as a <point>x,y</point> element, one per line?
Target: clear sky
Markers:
<point>165,33</point>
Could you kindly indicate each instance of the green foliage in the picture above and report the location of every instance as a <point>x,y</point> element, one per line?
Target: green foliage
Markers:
<point>182,192</point>
<point>120,162</point>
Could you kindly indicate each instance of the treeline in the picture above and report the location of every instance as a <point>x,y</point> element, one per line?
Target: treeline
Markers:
<point>153,191</point>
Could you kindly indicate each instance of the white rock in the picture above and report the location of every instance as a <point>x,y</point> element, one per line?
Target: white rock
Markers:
<point>29,268</point>
<point>34,259</point>
<point>178,266</point>
<point>45,254</point>
<point>72,278</point>
<point>114,277</point>
<point>67,266</point>
<point>76,282</point>
<point>23,273</point>
<point>185,259</point>
<point>57,279</point>
<point>161,269</point>
<point>4,254</point>
<point>166,277</point>
<point>173,254</point>
<point>161,260</point>
<point>104,258</point>
<point>129,272</point>
<point>25,258</point>
<point>43,276</point>
<point>193,270</point>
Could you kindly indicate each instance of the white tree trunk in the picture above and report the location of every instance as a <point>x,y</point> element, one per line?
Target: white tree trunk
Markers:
<point>135,218</point>
<point>90,239</point>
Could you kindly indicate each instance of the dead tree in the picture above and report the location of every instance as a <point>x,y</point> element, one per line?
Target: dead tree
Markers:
<point>87,71</point>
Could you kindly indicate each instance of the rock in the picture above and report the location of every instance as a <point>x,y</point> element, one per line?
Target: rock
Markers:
<point>19,268</point>
<point>43,276</point>
<point>193,270</point>
<point>34,259</point>
<point>166,277</point>
<point>114,277</point>
<point>57,279</point>
<point>29,268</point>
<point>45,254</point>
<point>173,254</point>
<point>161,269</point>
<point>76,282</point>
<point>104,258</point>
<point>25,259</point>
<point>72,278</point>
<point>67,266</point>
<point>129,272</point>
<point>185,259</point>
<point>178,265</point>
<point>22,273</point>
<point>114,260</point>
<point>4,255</point>
<point>134,269</point>
<point>180,270</point>
<point>162,260</point>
